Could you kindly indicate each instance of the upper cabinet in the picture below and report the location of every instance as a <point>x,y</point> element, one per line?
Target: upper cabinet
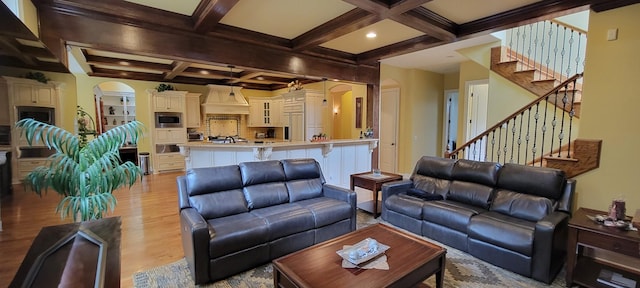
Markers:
<point>302,113</point>
<point>169,101</point>
<point>265,112</point>
<point>35,95</point>
<point>193,110</point>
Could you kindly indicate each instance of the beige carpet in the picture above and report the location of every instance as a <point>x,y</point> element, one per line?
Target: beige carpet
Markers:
<point>462,270</point>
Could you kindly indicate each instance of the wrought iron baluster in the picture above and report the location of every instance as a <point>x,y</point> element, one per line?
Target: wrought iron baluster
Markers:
<point>513,139</point>
<point>550,33</point>
<point>506,140</point>
<point>529,47</point>
<point>571,114</point>
<point>570,50</point>
<point>493,143</point>
<point>555,53</point>
<point>562,53</point>
<point>535,52</point>
<point>544,128</point>
<point>520,136</point>
<point>554,122</point>
<point>499,145</point>
<point>565,99</point>
<point>526,148</point>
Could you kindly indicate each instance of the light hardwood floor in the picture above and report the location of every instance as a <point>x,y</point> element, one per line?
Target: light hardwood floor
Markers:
<point>150,225</point>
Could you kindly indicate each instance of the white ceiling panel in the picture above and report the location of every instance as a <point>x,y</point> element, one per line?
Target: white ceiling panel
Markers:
<point>388,32</point>
<point>185,7</point>
<point>473,10</point>
<point>284,18</point>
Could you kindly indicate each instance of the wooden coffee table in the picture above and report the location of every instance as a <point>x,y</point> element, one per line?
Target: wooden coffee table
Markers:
<point>368,180</point>
<point>411,261</point>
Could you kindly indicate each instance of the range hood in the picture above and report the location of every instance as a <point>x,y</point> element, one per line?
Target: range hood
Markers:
<point>219,102</point>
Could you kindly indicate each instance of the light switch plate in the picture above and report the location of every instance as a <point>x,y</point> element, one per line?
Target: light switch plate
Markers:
<point>612,34</point>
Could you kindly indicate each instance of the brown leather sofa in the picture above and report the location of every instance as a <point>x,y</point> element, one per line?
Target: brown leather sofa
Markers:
<point>236,217</point>
<point>512,216</point>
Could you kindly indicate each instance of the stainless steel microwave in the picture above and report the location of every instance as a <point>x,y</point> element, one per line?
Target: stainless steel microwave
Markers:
<point>168,119</point>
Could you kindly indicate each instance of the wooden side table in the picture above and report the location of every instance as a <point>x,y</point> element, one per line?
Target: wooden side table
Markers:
<point>583,232</point>
<point>368,180</point>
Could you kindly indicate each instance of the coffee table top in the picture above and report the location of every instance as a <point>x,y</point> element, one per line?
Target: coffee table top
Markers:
<point>321,266</point>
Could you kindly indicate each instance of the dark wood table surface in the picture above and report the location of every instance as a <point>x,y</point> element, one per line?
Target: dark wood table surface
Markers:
<point>584,232</point>
<point>75,263</point>
<point>411,260</point>
<point>368,180</point>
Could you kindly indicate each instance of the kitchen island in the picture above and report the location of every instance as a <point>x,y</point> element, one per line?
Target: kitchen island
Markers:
<point>338,158</point>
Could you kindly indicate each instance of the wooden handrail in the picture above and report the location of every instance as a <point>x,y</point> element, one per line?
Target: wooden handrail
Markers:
<point>513,115</point>
<point>574,28</point>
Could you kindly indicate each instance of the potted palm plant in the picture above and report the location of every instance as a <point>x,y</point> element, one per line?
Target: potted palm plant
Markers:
<point>84,173</point>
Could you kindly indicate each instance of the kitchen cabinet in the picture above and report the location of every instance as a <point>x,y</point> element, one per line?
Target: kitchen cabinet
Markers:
<point>192,103</point>
<point>169,101</point>
<point>170,161</point>
<point>302,112</point>
<point>170,136</point>
<point>265,112</point>
<point>34,95</point>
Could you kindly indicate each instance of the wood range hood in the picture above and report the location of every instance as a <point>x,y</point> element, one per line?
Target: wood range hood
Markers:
<point>219,101</point>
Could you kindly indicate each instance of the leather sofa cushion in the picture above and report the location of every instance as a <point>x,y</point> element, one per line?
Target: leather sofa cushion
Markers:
<point>424,195</point>
<point>219,204</point>
<point>213,179</point>
<point>304,189</point>
<point>539,181</point>
<point>450,214</point>
<point>519,205</point>
<point>267,194</point>
<point>235,233</point>
<point>504,231</point>
<point>405,205</point>
<point>431,185</point>
<point>261,172</point>
<point>435,167</point>
<point>286,219</point>
<point>296,169</point>
<point>326,211</point>
<point>470,193</point>
<point>485,173</point>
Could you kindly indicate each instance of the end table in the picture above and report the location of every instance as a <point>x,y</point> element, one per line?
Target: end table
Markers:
<point>370,181</point>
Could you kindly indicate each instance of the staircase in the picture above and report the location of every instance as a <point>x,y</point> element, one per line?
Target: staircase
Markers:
<point>540,133</point>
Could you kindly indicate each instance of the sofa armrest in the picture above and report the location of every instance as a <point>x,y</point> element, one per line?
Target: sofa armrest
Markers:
<point>195,242</point>
<point>183,197</point>
<point>395,187</point>
<point>549,243</point>
<point>345,195</point>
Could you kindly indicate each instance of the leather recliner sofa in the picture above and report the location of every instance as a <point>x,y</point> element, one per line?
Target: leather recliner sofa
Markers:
<point>512,216</point>
<point>236,217</point>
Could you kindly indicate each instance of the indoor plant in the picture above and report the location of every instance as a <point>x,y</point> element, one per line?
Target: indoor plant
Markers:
<point>84,173</point>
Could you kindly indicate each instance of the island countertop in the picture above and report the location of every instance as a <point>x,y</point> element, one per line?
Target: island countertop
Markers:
<point>291,144</point>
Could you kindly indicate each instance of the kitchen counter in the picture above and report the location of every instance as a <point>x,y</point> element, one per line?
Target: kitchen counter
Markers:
<point>338,158</point>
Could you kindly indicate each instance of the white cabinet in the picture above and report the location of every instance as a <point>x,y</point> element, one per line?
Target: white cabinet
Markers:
<point>302,112</point>
<point>34,95</point>
<point>170,161</point>
<point>170,136</point>
<point>169,101</point>
<point>193,110</point>
<point>265,112</point>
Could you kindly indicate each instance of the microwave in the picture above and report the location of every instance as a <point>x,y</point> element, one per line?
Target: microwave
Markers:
<point>42,114</point>
<point>168,119</point>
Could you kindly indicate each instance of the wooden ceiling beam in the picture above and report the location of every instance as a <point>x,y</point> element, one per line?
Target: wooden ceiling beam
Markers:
<point>89,32</point>
<point>210,12</point>
<point>605,5</point>
<point>344,24</point>
<point>408,46</point>
<point>177,68</point>
<point>384,10</point>
<point>430,23</point>
<point>11,47</point>
<point>126,63</point>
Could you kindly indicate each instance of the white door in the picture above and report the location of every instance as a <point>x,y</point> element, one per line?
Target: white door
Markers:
<point>450,121</point>
<point>477,100</point>
<point>389,102</point>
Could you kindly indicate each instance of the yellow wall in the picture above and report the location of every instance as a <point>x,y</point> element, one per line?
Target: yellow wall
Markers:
<point>609,109</point>
<point>469,71</point>
<point>452,81</point>
<point>420,113</point>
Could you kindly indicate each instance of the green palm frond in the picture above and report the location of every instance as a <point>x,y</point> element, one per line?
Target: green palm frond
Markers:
<point>84,176</point>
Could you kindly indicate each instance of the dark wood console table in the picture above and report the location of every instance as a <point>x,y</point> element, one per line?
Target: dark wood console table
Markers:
<point>82,254</point>
<point>583,232</point>
<point>368,180</point>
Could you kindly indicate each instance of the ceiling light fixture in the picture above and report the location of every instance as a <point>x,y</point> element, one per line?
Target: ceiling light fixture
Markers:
<point>372,35</point>
<point>231,94</point>
<point>324,101</point>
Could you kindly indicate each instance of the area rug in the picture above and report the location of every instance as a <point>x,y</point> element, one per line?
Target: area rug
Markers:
<point>462,270</point>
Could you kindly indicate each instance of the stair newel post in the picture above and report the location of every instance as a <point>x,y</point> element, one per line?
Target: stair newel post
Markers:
<point>571,114</point>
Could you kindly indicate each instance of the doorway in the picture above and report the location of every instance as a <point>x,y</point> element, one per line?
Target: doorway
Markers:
<point>389,104</point>
<point>477,93</point>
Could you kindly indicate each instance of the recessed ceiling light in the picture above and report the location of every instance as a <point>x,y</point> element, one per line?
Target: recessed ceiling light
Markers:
<point>260,78</point>
<point>204,72</point>
<point>124,63</point>
<point>372,35</point>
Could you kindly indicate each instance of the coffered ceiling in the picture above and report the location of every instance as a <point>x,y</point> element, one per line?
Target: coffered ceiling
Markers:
<point>269,43</point>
